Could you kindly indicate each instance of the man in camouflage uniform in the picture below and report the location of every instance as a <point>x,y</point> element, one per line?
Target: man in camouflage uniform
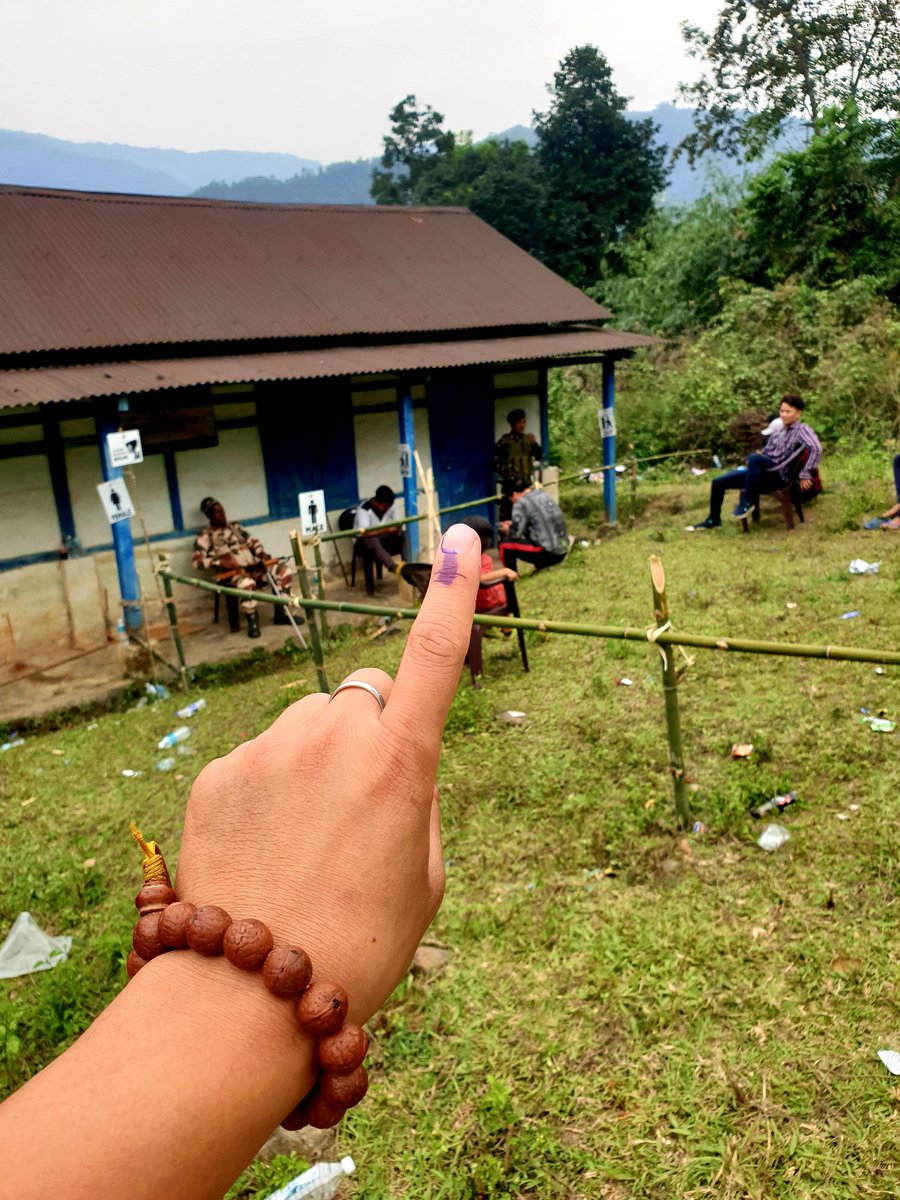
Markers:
<point>514,457</point>
<point>239,560</point>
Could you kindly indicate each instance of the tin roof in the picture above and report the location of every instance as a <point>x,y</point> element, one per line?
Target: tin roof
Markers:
<point>45,385</point>
<point>84,270</point>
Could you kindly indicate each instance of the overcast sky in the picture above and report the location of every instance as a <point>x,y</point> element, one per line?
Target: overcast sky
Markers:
<point>317,81</point>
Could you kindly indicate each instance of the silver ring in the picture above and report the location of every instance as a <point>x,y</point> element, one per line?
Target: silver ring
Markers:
<point>359,683</point>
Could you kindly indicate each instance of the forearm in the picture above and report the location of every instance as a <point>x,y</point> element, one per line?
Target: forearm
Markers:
<point>169,1094</point>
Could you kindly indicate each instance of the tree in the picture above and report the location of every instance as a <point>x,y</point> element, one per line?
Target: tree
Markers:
<point>831,212</point>
<point>601,169</point>
<point>501,182</point>
<point>417,136</point>
<point>770,60</point>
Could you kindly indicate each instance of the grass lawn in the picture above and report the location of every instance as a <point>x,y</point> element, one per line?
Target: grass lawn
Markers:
<point>628,1011</point>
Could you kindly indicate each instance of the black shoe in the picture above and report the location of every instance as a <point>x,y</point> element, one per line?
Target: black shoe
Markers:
<point>742,511</point>
<point>709,523</point>
<point>253,629</point>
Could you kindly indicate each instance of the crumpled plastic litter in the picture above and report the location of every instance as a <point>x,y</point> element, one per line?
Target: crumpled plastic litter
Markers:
<point>511,716</point>
<point>623,682</point>
<point>698,470</point>
<point>772,837</point>
<point>27,948</point>
<point>859,566</point>
<point>848,615</point>
<point>11,745</point>
<point>891,1059</point>
<point>879,724</point>
<point>166,764</point>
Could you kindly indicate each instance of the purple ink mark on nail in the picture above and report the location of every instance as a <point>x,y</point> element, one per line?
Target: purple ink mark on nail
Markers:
<point>449,568</point>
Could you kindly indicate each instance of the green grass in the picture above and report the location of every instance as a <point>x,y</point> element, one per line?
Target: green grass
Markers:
<point>628,1012</point>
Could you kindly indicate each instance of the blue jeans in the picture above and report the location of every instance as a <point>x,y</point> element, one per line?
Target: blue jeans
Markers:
<point>729,482</point>
<point>762,477</point>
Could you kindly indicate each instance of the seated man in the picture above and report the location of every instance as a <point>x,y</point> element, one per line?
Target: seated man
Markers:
<point>381,538</point>
<point>537,532</point>
<point>771,470</point>
<point>239,560</point>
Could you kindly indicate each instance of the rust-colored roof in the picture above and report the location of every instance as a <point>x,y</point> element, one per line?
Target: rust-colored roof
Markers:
<point>45,385</point>
<point>84,270</point>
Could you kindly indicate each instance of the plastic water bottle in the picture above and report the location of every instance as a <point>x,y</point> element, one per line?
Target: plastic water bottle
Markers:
<point>172,739</point>
<point>190,709</point>
<point>318,1183</point>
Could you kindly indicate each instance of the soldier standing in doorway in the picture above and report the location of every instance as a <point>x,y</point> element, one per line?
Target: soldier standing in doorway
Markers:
<point>514,458</point>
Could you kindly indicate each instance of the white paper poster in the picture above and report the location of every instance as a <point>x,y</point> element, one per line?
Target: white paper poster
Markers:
<point>124,448</point>
<point>313,516</point>
<point>116,501</point>
<point>607,417</point>
<point>405,461</point>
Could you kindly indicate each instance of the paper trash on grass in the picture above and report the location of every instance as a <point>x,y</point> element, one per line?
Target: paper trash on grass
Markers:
<point>848,615</point>
<point>623,682</point>
<point>859,566</point>
<point>741,749</point>
<point>891,1059</point>
<point>772,837</point>
<point>12,745</point>
<point>511,716</point>
<point>698,470</point>
<point>27,948</point>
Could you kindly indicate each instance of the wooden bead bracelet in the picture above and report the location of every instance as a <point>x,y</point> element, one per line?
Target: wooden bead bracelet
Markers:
<point>167,923</point>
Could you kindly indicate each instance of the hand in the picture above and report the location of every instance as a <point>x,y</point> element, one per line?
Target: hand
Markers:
<point>326,826</point>
<point>511,575</point>
<point>529,438</point>
<point>806,485</point>
<point>503,526</point>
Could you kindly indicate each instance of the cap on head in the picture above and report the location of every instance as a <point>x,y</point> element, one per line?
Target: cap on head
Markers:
<point>517,415</point>
<point>206,504</point>
<point>384,495</point>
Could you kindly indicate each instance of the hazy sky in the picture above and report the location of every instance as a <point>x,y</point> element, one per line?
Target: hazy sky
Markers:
<point>311,79</point>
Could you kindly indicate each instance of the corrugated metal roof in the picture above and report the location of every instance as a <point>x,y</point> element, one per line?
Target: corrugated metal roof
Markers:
<point>48,384</point>
<point>82,270</point>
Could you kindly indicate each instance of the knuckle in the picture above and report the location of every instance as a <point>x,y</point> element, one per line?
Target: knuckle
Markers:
<point>433,645</point>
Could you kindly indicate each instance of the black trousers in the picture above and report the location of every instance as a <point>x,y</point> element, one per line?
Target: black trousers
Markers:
<point>511,552</point>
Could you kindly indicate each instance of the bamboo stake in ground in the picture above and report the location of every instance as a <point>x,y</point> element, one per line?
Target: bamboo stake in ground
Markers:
<point>315,640</point>
<point>163,570</point>
<point>320,586</point>
<point>670,690</point>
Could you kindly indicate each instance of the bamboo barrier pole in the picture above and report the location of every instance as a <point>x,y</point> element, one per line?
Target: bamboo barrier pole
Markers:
<point>614,632</point>
<point>166,576</point>
<point>320,585</point>
<point>315,641</point>
<point>670,691</point>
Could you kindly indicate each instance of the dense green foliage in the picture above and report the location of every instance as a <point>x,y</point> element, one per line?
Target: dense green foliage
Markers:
<point>590,181</point>
<point>767,60</point>
<point>337,183</point>
<point>602,170</point>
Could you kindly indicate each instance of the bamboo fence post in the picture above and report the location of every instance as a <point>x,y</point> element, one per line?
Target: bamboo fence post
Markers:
<point>320,586</point>
<point>315,641</point>
<point>634,483</point>
<point>670,690</point>
<point>163,569</point>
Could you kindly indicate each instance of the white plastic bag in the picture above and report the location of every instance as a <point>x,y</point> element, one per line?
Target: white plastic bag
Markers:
<point>28,948</point>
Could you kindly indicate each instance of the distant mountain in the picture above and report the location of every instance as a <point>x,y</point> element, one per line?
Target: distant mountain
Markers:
<point>38,161</point>
<point>338,183</point>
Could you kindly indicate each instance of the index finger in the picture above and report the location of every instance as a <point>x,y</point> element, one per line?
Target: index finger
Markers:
<point>431,664</point>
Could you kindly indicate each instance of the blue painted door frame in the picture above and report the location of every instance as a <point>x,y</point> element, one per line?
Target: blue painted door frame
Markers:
<point>461,424</point>
<point>408,438</point>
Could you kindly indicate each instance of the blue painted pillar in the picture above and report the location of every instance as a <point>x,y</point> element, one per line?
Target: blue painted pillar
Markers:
<point>545,413</point>
<point>123,545</point>
<point>408,439</point>
<point>609,443</point>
